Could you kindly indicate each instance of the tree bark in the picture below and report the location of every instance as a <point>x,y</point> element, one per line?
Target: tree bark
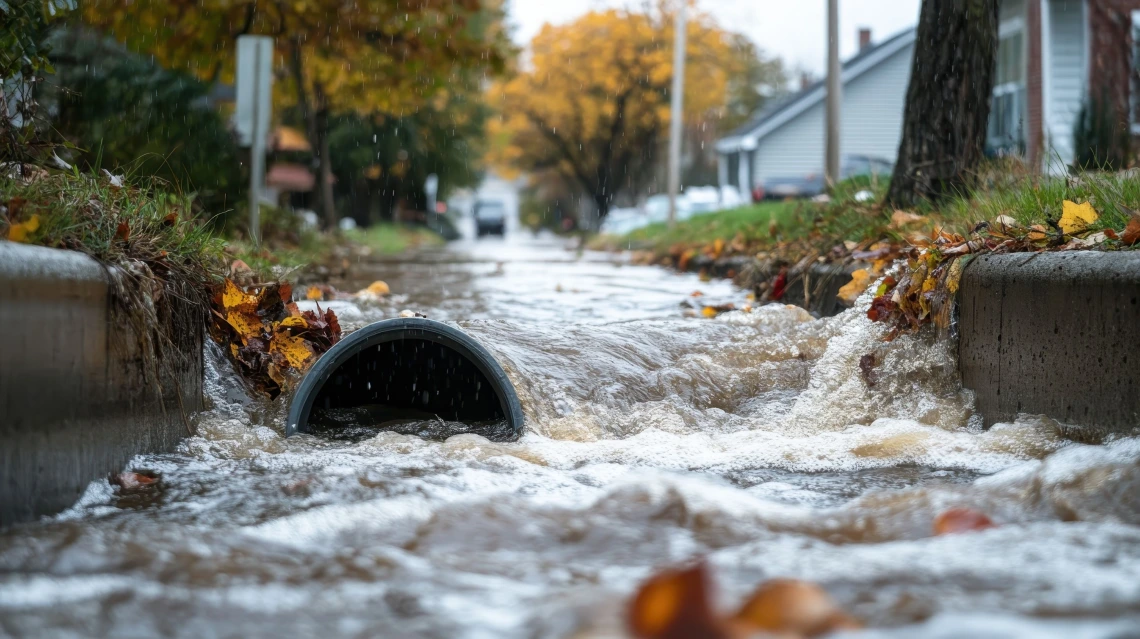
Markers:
<point>316,124</point>
<point>948,101</point>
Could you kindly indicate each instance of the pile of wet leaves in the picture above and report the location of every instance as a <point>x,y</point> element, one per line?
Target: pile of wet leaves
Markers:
<point>269,339</point>
<point>923,292</point>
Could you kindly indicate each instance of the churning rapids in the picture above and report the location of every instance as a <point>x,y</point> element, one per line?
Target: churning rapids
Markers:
<point>652,438</point>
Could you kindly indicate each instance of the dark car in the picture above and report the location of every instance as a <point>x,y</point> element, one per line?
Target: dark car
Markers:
<point>780,188</point>
<point>490,218</point>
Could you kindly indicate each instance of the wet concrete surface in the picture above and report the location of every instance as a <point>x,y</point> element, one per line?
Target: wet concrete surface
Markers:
<point>76,398</point>
<point>1055,334</point>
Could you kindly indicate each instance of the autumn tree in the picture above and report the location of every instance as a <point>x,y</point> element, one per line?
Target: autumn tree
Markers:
<point>948,101</point>
<point>593,105</point>
<point>362,56</point>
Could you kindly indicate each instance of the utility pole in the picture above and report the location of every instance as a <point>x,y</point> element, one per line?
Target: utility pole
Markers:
<point>834,93</point>
<point>676,114</point>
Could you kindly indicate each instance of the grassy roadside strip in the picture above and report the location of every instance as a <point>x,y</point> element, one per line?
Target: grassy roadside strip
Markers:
<point>766,246</point>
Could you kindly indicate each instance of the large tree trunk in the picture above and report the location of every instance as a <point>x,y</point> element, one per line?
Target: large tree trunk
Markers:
<point>948,101</point>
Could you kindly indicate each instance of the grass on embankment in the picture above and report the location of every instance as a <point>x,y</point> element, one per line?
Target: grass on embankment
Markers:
<point>113,222</point>
<point>798,228</point>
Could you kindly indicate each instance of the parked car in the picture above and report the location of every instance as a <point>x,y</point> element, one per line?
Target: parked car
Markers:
<point>490,218</point>
<point>805,186</point>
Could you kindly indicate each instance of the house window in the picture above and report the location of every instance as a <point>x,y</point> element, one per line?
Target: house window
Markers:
<point>1136,72</point>
<point>1006,126</point>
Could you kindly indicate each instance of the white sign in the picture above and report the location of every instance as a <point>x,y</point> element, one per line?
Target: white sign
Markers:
<point>254,87</point>
<point>254,93</point>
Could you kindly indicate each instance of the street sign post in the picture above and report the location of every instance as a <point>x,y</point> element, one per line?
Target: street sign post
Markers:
<point>254,103</point>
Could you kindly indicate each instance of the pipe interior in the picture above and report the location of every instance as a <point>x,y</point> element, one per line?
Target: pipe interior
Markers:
<point>406,381</point>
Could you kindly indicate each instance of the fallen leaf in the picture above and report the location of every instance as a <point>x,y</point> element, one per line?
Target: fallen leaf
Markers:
<point>131,481</point>
<point>1004,224</point>
<point>123,231</point>
<point>959,520</point>
<point>295,350</point>
<point>675,605</point>
<point>171,219</point>
<point>1037,233</point>
<point>954,276</point>
<point>851,291</point>
<point>788,607</point>
<point>902,219</point>
<point>881,308</point>
<point>379,289</point>
<point>20,232</point>
<point>696,294</point>
<point>314,293</point>
<point>1131,234</point>
<point>294,321</point>
<point>867,368</point>
<point>233,296</point>
<point>116,181</point>
<point>1077,217</point>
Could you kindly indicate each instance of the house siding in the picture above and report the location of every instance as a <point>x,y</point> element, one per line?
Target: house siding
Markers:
<point>1066,70</point>
<point>871,123</point>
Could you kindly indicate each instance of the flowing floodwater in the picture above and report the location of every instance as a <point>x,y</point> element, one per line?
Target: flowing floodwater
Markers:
<point>753,440</point>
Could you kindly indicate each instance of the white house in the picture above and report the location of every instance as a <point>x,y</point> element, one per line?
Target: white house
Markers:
<point>1053,57</point>
<point>787,139</point>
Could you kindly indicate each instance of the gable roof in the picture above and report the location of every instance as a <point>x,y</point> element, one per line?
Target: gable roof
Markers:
<point>778,114</point>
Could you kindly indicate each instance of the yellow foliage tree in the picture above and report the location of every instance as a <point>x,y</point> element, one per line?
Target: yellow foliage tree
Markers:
<point>367,56</point>
<point>593,105</point>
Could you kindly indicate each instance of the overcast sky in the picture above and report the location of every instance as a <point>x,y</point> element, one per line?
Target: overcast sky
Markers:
<point>792,29</point>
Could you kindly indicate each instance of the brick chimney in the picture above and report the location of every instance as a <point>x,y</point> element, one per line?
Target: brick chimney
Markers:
<point>864,38</point>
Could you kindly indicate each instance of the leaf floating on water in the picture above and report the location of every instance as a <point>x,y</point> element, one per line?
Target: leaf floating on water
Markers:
<point>851,291</point>
<point>792,608</point>
<point>675,605</point>
<point>959,520</point>
<point>1077,217</point>
<point>132,481</point>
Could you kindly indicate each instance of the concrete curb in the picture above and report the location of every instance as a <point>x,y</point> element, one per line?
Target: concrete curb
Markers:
<point>1056,334</point>
<point>76,400</point>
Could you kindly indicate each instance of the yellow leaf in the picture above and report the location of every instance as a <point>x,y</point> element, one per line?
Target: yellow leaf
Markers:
<point>314,293</point>
<point>294,321</point>
<point>709,312</point>
<point>246,324</point>
<point>851,291</point>
<point>233,297</point>
<point>1077,217</point>
<point>377,288</point>
<point>20,232</point>
<point>295,349</point>
<point>954,277</point>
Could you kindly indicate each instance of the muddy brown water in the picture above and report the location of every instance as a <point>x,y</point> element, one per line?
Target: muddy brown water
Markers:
<point>652,438</point>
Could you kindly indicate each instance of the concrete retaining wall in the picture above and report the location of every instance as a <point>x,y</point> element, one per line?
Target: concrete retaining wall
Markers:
<point>1055,334</point>
<point>77,398</point>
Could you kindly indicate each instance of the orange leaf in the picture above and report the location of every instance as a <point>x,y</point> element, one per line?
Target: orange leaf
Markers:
<point>123,232</point>
<point>675,605</point>
<point>958,520</point>
<point>1131,234</point>
<point>20,232</point>
<point>795,608</point>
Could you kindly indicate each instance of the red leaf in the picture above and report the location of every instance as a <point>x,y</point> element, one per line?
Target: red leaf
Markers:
<point>123,232</point>
<point>881,309</point>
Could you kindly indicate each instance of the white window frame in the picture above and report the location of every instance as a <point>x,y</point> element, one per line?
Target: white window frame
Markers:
<point>1134,80</point>
<point>1008,29</point>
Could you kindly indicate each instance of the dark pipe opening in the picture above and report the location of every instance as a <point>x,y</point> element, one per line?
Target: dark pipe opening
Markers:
<point>412,376</point>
